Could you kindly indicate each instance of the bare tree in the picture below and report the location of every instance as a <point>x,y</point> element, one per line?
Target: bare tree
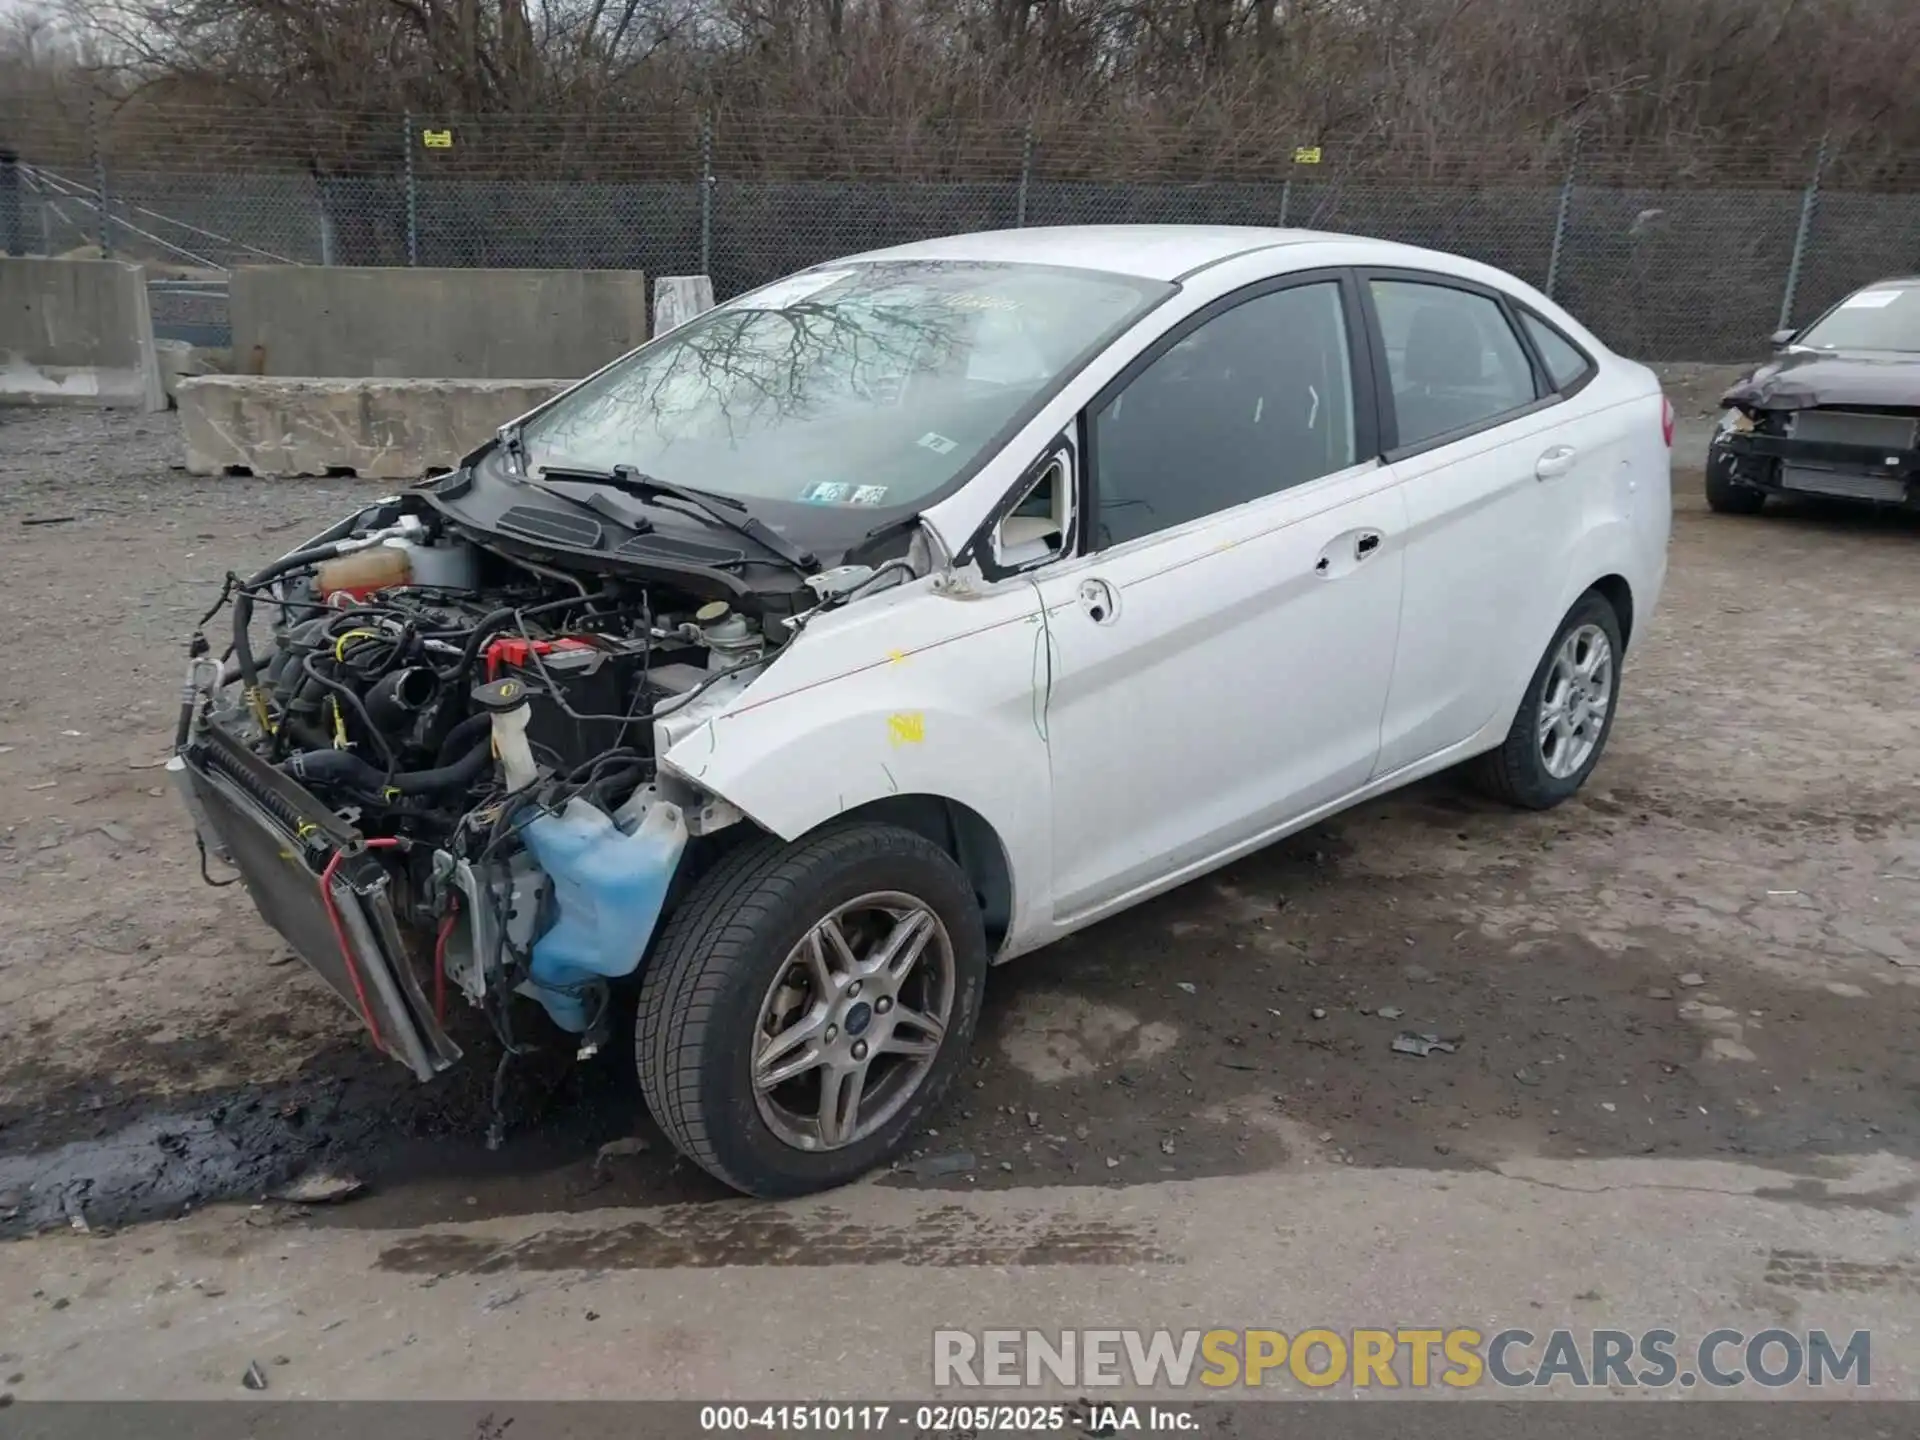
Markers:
<point>1702,85</point>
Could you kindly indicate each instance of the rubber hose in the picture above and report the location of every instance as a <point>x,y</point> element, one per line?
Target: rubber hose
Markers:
<point>463,735</point>
<point>243,604</point>
<point>603,788</point>
<point>482,632</point>
<point>311,736</point>
<point>396,698</point>
<point>337,767</point>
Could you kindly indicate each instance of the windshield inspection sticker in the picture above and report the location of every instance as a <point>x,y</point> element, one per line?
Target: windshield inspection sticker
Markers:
<point>937,443</point>
<point>967,300</point>
<point>1871,300</point>
<point>826,492</point>
<point>870,495</point>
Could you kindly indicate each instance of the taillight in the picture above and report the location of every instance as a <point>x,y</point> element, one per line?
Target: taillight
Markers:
<point>1666,421</point>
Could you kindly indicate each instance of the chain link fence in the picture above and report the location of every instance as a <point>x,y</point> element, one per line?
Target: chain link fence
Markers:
<point>1693,255</point>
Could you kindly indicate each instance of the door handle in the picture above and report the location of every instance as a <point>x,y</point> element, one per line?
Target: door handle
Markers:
<point>1555,462</point>
<point>1099,600</point>
<point>1345,553</point>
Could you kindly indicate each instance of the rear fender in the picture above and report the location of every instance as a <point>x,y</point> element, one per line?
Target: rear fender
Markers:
<point>1609,549</point>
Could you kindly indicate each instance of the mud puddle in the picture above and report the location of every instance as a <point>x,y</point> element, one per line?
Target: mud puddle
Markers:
<point>416,1151</point>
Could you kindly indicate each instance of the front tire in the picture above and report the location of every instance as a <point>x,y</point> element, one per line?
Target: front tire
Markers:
<point>1562,725</point>
<point>809,1004</point>
<point>1728,496</point>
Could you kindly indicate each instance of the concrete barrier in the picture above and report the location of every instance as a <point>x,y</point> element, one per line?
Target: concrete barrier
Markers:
<point>678,298</point>
<point>438,324</point>
<point>178,360</point>
<point>76,332</point>
<point>396,429</point>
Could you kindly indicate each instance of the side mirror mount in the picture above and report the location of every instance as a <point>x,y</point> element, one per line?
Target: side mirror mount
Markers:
<point>1781,339</point>
<point>1037,527</point>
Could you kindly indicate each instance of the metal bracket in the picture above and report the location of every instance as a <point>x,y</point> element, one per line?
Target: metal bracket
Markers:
<point>713,814</point>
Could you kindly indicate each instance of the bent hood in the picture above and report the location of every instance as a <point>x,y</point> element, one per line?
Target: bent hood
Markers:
<point>1806,379</point>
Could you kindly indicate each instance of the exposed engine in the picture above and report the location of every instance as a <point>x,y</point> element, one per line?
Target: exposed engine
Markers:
<point>480,731</point>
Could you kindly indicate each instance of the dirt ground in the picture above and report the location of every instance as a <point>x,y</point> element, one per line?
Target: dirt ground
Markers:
<point>1713,952</point>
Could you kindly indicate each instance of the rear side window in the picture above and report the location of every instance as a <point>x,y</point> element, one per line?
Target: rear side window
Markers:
<point>1453,359</point>
<point>1565,364</point>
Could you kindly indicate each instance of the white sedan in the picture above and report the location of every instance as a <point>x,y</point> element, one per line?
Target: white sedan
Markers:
<point>973,590</point>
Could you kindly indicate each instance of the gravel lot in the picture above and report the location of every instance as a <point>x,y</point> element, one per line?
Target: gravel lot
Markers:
<point>1712,952</point>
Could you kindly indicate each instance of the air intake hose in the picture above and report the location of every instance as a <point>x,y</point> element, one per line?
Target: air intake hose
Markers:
<point>398,697</point>
<point>337,767</point>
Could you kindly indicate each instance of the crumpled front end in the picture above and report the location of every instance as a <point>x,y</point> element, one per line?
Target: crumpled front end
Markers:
<point>318,882</point>
<point>1822,426</point>
<point>435,774</point>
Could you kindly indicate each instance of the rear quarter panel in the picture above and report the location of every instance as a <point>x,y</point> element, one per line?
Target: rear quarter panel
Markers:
<point>1622,512</point>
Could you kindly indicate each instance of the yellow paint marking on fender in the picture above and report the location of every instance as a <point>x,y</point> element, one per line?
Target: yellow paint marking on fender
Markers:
<point>907,728</point>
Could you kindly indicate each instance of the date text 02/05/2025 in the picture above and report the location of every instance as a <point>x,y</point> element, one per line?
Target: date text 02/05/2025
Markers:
<point>981,1419</point>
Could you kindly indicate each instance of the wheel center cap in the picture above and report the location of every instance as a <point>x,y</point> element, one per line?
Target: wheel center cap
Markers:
<point>859,1018</point>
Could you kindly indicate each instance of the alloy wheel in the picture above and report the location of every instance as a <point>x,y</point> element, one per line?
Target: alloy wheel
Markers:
<point>1575,700</point>
<point>850,1027</point>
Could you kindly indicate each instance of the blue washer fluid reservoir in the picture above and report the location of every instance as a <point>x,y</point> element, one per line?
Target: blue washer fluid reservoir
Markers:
<point>608,888</point>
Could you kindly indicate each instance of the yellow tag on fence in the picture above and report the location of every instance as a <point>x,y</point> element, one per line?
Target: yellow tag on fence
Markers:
<point>1307,155</point>
<point>443,139</point>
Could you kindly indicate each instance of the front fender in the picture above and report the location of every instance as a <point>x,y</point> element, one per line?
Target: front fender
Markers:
<point>938,697</point>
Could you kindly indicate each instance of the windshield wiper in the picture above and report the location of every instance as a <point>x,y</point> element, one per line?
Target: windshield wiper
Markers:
<point>629,481</point>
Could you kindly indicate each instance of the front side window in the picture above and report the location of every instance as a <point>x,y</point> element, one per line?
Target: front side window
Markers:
<point>1255,400</point>
<point>873,385</point>
<point>1453,359</point>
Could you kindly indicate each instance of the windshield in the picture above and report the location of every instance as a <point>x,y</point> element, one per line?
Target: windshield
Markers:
<point>863,385</point>
<point>1881,317</point>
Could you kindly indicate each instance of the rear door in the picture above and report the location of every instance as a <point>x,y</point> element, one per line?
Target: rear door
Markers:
<point>1477,437</point>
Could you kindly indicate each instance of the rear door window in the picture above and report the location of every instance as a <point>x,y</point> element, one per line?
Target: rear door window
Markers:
<point>1565,362</point>
<point>1453,360</point>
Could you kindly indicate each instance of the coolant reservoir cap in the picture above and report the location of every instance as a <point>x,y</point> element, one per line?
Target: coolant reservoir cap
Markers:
<point>711,613</point>
<point>502,696</point>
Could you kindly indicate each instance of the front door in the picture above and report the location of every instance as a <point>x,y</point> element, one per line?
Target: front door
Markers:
<point>1222,646</point>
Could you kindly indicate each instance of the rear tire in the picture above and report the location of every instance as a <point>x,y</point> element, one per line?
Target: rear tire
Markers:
<point>1561,729</point>
<point>747,962</point>
<point>1728,496</point>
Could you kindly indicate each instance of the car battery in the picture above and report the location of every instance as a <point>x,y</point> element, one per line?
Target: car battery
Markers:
<point>594,684</point>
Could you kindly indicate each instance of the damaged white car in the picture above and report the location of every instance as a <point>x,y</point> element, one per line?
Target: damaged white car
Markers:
<point>909,614</point>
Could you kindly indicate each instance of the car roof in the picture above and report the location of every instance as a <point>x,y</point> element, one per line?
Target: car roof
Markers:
<point>1152,252</point>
